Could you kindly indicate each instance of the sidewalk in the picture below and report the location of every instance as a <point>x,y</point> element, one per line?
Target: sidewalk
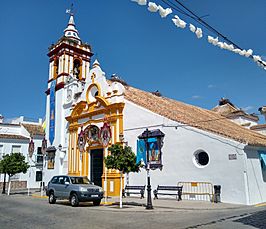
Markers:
<point>23,191</point>
<point>164,204</point>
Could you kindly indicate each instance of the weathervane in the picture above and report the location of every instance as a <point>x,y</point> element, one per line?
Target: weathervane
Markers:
<point>71,10</point>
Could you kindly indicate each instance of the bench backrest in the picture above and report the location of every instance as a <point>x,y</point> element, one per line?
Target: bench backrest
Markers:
<point>169,188</point>
<point>135,187</point>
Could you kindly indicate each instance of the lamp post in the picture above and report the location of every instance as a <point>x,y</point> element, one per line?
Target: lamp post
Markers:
<point>124,143</point>
<point>153,143</point>
<point>44,147</point>
<point>149,201</point>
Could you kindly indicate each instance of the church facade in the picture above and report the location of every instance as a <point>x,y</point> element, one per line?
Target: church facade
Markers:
<point>199,145</point>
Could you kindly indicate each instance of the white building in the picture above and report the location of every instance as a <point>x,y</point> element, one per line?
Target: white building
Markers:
<point>14,138</point>
<point>235,114</point>
<point>199,145</point>
<point>261,128</point>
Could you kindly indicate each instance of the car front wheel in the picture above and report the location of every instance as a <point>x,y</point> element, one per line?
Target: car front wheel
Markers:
<point>52,198</point>
<point>74,201</point>
<point>96,202</point>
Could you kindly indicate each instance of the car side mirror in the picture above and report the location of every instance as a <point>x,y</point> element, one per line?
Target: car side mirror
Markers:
<point>66,183</point>
<point>91,182</point>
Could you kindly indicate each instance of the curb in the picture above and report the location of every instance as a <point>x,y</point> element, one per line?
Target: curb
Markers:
<point>260,205</point>
<point>107,203</point>
<point>38,196</point>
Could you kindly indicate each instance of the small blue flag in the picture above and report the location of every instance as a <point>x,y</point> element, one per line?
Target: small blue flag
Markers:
<point>141,151</point>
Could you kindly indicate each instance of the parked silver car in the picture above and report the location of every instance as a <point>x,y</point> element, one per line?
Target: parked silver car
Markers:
<point>74,188</point>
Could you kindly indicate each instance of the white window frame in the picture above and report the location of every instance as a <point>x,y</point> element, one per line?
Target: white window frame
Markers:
<point>16,147</point>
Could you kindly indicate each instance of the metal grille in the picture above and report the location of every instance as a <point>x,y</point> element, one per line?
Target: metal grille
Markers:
<point>93,190</point>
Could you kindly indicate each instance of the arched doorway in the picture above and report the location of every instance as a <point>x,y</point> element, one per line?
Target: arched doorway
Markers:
<point>96,165</point>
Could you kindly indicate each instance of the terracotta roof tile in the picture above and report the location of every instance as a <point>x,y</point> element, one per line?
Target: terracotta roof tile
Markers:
<point>194,116</point>
<point>34,129</point>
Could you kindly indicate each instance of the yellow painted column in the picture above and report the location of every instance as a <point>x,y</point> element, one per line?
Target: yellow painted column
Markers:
<point>87,164</point>
<point>84,164</point>
<point>70,153</point>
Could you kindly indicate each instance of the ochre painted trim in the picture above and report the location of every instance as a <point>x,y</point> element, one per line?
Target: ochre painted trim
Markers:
<point>113,113</point>
<point>88,90</point>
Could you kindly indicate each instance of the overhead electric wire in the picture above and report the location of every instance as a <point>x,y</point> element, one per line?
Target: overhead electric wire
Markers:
<point>189,13</point>
<point>170,4</point>
<point>206,24</point>
<point>175,7</point>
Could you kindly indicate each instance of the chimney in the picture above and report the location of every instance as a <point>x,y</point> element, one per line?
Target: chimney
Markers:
<point>262,111</point>
<point>1,118</point>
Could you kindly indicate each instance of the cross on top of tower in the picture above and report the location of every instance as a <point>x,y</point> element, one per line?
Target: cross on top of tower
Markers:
<point>71,31</point>
<point>71,10</point>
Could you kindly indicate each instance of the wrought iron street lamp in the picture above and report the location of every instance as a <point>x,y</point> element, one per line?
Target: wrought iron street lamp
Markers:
<point>43,149</point>
<point>30,152</point>
<point>153,144</point>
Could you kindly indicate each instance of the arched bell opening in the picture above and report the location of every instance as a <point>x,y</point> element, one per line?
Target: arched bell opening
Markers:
<point>56,66</point>
<point>77,69</point>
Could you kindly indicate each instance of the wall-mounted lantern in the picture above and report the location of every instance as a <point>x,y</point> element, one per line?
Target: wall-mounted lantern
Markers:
<point>31,148</point>
<point>81,140</point>
<point>44,146</point>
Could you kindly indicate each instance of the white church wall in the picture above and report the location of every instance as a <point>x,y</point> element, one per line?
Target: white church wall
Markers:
<point>59,138</point>
<point>179,147</point>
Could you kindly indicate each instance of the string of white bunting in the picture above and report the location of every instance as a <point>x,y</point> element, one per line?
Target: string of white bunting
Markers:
<point>179,23</point>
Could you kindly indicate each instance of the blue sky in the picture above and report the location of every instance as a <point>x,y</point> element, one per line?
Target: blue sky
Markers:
<point>148,52</point>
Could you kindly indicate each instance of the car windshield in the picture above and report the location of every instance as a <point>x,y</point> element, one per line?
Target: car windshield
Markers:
<point>80,180</point>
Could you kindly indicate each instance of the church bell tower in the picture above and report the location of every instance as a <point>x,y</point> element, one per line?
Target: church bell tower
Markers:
<point>69,56</point>
<point>69,64</point>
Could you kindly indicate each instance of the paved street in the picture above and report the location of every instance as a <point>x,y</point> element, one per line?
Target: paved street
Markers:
<point>21,211</point>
